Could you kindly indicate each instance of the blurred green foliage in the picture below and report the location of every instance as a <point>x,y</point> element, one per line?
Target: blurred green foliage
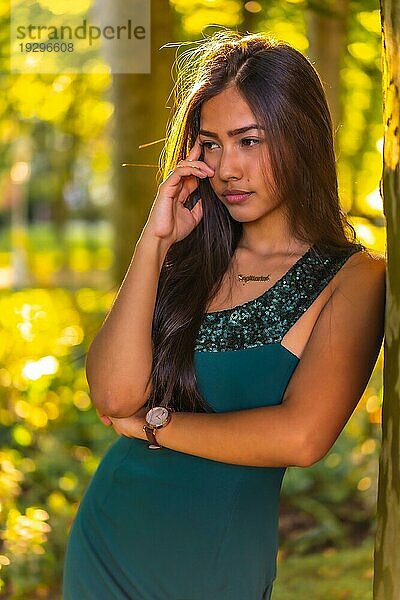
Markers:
<point>50,436</point>
<point>330,575</point>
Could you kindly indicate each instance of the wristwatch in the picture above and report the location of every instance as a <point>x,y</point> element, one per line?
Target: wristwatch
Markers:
<point>156,417</point>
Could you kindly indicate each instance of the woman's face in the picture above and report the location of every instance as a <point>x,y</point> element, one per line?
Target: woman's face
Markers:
<point>236,157</point>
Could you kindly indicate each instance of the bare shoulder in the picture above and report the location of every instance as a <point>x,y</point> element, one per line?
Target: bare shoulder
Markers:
<point>362,270</point>
<point>365,260</point>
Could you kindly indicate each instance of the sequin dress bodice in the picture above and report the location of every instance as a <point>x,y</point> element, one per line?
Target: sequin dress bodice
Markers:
<point>167,525</point>
<point>267,318</point>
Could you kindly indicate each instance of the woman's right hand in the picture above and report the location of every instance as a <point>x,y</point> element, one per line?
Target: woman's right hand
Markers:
<point>169,219</point>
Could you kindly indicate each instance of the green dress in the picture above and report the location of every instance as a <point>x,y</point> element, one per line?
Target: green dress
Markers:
<point>165,525</point>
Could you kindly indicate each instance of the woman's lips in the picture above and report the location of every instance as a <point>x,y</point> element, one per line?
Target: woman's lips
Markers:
<point>235,198</point>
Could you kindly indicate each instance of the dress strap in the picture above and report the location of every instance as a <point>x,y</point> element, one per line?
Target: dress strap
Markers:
<point>266,319</point>
<point>309,280</point>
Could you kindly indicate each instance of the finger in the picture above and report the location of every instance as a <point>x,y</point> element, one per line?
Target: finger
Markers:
<point>184,196</point>
<point>194,156</point>
<point>174,177</point>
<point>197,211</point>
<point>196,150</point>
<point>197,163</point>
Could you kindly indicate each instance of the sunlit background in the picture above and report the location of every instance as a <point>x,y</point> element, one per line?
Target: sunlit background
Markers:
<point>69,218</point>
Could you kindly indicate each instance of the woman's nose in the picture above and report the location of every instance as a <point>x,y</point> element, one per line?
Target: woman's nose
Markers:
<point>229,165</point>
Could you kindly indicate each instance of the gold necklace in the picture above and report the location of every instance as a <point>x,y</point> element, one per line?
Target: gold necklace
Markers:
<point>246,278</point>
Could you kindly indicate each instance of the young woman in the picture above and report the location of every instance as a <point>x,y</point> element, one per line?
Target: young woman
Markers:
<point>240,341</point>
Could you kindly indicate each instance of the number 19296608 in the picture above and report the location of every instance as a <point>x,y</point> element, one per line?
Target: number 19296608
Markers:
<point>46,47</point>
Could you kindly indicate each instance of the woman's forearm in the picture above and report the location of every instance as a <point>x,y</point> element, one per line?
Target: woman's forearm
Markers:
<point>268,436</point>
<point>120,357</point>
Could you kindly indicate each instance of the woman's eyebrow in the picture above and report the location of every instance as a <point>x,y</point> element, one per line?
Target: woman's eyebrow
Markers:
<point>233,132</point>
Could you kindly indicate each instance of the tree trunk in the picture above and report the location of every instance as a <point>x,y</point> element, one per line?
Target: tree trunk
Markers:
<point>387,556</point>
<point>327,35</point>
<point>140,117</point>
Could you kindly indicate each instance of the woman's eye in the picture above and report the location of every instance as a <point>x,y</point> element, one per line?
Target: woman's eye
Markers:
<point>251,140</point>
<point>207,144</point>
<point>244,142</point>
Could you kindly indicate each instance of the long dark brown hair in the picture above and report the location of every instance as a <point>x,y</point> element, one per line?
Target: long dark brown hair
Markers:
<point>285,94</point>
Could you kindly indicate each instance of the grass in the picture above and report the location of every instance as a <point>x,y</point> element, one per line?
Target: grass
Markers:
<point>329,575</point>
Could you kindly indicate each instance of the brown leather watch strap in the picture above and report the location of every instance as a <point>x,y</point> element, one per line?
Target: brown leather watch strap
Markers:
<point>151,437</point>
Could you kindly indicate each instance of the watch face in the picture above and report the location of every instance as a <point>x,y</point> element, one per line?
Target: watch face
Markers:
<point>156,416</point>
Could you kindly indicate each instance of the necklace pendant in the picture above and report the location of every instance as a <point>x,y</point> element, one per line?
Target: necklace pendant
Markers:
<point>247,278</point>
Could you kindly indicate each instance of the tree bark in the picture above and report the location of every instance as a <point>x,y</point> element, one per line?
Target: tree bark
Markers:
<point>327,35</point>
<point>387,556</point>
<point>140,117</point>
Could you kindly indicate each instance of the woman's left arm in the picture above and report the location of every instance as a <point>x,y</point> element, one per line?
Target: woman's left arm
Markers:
<point>322,393</point>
